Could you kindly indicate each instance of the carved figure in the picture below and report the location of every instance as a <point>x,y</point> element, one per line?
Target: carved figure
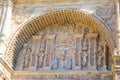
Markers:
<point>84,58</point>
<point>64,52</point>
<point>41,58</point>
<point>85,45</point>
<point>63,56</point>
<point>27,57</point>
<point>55,64</point>
<point>100,56</point>
<point>69,64</point>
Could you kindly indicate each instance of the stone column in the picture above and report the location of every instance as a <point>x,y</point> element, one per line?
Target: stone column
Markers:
<point>49,50</point>
<point>89,39</point>
<point>117,49</point>
<point>78,38</point>
<point>104,55</point>
<point>36,38</point>
<point>5,23</point>
<point>92,36</point>
<point>95,52</point>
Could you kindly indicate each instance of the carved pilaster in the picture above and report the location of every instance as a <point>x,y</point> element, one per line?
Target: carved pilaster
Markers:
<point>103,53</point>
<point>95,50</point>
<point>49,50</point>
<point>78,38</point>
<point>104,58</point>
<point>92,53</point>
<point>5,23</point>
<point>37,41</point>
<point>6,14</point>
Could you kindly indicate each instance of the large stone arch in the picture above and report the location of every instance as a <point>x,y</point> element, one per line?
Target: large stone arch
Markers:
<point>39,22</point>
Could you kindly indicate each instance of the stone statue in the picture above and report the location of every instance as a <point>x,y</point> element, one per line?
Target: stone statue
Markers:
<point>63,56</point>
<point>100,56</point>
<point>27,57</point>
<point>41,58</point>
<point>84,57</point>
<point>55,64</point>
<point>64,53</point>
<point>69,64</point>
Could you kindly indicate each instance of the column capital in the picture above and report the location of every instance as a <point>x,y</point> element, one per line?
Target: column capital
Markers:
<point>90,35</point>
<point>37,37</point>
<point>78,35</point>
<point>50,37</point>
<point>7,3</point>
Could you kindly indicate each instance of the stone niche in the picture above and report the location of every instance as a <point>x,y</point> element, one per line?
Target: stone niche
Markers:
<point>65,47</point>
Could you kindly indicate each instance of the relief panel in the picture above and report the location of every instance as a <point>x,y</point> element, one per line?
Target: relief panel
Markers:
<point>64,47</point>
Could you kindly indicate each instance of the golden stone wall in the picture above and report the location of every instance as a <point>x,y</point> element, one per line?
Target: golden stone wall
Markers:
<point>28,17</point>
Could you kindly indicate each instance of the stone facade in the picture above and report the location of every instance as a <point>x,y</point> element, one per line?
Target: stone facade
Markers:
<point>59,40</point>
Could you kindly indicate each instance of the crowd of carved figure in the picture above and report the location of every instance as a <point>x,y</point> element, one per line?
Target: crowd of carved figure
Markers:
<point>65,64</point>
<point>65,51</point>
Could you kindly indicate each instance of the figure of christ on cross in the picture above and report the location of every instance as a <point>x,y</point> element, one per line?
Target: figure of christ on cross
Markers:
<point>64,56</point>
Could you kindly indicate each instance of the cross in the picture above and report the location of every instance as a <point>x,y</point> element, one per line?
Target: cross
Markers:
<point>64,51</point>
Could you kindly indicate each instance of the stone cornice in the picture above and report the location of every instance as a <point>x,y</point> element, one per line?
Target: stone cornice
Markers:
<point>59,72</point>
<point>49,3</point>
<point>57,75</point>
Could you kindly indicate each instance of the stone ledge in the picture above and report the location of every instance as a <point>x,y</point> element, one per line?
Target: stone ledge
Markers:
<point>59,72</point>
<point>72,75</point>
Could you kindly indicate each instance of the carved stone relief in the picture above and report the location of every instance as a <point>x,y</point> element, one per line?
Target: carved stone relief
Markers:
<point>65,47</point>
<point>108,14</point>
<point>21,14</point>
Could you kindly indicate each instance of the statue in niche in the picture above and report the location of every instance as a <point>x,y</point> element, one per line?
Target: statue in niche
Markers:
<point>27,57</point>
<point>85,54</point>
<point>41,58</point>
<point>64,56</point>
<point>69,64</point>
<point>100,56</point>
<point>84,58</point>
<point>55,64</point>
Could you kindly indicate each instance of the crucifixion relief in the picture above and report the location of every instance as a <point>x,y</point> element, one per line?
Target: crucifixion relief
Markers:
<point>67,50</point>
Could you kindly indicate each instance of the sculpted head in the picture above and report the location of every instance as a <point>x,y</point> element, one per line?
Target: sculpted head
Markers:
<point>29,50</point>
<point>42,50</point>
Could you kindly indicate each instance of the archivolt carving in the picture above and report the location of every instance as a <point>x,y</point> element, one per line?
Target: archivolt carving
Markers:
<point>67,47</point>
